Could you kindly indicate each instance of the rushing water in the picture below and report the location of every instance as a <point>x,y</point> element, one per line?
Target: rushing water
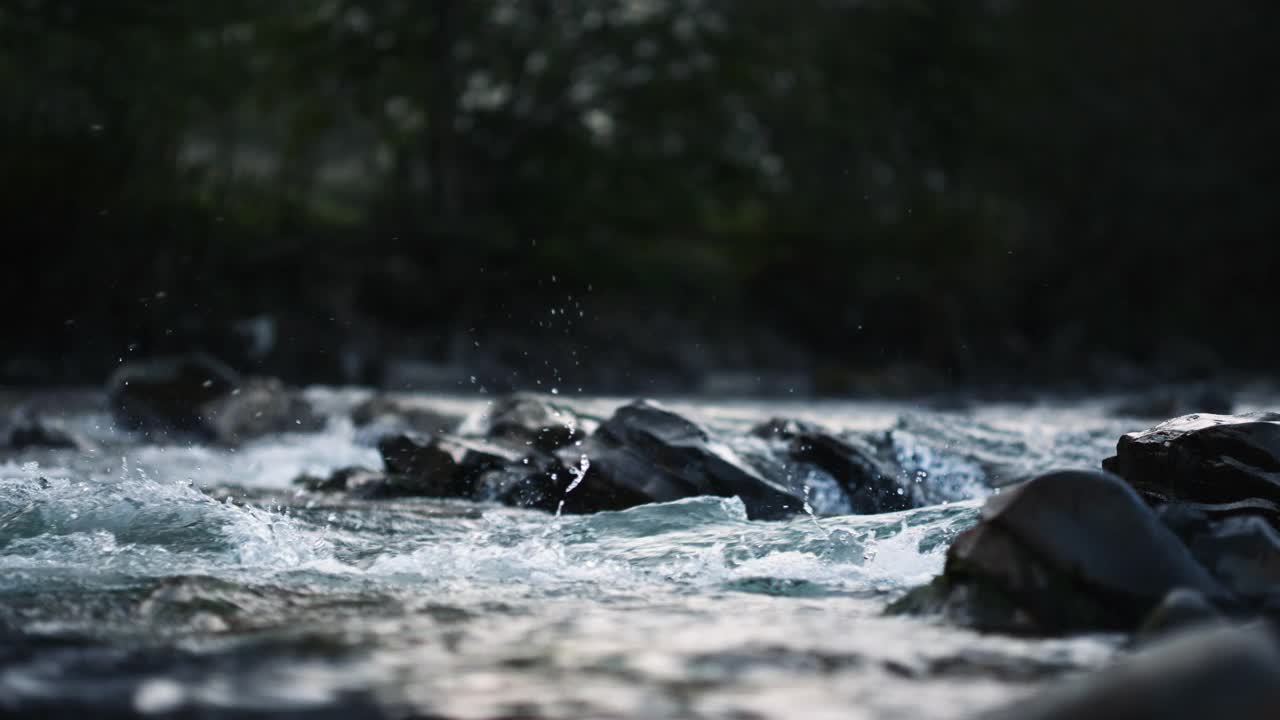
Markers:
<point>165,581</point>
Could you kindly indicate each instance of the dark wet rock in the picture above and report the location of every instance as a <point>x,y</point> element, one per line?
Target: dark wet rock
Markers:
<point>1188,518</point>
<point>373,485</point>
<point>421,467</point>
<point>1203,459</point>
<point>920,461</point>
<point>540,484</point>
<point>260,407</point>
<point>533,420</point>
<point>646,453</point>
<point>449,466</point>
<point>1181,610</point>
<point>844,473</point>
<point>169,394</point>
<point>1219,672</point>
<point>1068,551</point>
<point>1243,553</point>
<point>1175,401</point>
<point>873,485</point>
<point>474,454</point>
<point>409,455</point>
<point>404,414</point>
<point>29,434</point>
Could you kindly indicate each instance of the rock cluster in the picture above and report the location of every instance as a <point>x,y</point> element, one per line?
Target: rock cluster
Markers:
<point>529,451</point>
<point>1184,518</point>
<point>1174,541</point>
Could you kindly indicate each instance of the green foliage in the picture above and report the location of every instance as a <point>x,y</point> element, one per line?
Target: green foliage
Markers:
<point>934,176</point>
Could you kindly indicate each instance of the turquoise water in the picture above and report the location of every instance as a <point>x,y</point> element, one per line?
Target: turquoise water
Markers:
<point>164,580</point>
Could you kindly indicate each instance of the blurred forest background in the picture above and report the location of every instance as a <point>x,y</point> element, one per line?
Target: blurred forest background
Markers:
<point>642,195</point>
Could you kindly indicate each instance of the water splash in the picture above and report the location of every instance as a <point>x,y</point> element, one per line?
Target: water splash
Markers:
<point>578,472</point>
<point>808,509</point>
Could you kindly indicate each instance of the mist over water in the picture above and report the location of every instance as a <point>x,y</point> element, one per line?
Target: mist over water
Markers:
<point>157,579</point>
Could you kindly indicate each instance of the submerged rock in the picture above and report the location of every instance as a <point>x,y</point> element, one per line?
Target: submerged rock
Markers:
<point>1220,672</point>
<point>169,394</point>
<point>646,453</point>
<point>1203,459</point>
<point>1067,551</point>
<point>540,484</point>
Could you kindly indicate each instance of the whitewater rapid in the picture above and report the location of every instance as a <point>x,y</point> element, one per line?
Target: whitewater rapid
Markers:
<point>162,579</point>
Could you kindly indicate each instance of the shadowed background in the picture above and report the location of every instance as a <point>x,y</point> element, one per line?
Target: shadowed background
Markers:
<point>730,196</point>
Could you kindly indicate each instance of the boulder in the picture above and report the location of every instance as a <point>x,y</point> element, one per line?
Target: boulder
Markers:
<point>1215,672</point>
<point>646,453</point>
<point>1203,458</point>
<point>1065,552</point>
<point>169,394</point>
<point>259,407</point>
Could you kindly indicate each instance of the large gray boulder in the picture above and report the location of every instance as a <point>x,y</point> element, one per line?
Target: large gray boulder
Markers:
<point>1065,552</point>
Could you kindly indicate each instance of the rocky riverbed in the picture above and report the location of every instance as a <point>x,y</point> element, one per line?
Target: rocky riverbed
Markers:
<point>191,542</point>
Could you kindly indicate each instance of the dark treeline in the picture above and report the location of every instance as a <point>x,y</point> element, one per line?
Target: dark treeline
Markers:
<point>963,191</point>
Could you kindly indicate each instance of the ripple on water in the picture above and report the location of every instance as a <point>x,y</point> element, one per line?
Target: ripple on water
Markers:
<point>682,609</point>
